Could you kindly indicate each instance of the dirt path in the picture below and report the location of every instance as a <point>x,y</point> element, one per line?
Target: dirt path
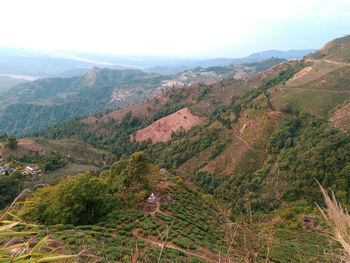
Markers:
<point>246,144</point>
<point>209,256</point>
<point>325,90</point>
<point>157,208</point>
<point>328,61</point>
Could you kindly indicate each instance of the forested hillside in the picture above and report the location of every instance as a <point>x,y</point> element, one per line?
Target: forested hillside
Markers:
<point>237,182</point>
<point>39,104</point>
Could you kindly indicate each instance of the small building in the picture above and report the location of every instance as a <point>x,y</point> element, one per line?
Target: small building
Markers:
<point>152,198</point>
<point>29,168</point>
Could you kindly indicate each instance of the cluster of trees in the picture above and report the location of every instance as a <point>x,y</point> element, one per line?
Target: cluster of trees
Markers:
<point>48,162</point>
<point>51,162</point>
<point>247,97</point>
<point>309,148</point>
<point>266,64</point>
<point>10,141</point>
<point>85,198</point>
<point>10,187</point>
<point>168,109</point>
<point>65,129</point>
<point>182,146</point>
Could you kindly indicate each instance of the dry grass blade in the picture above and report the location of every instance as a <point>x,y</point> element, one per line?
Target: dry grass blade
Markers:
<point>15,250</point>
<point>338,219</point>
<point>13,203</point>
<point>135,256</point>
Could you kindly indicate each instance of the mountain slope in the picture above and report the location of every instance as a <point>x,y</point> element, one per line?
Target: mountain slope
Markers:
<point>260,147</point>
<point>335,50</point>
<point>41,103</point>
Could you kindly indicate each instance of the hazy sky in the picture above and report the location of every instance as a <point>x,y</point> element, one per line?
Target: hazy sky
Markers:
<point>176,28</point>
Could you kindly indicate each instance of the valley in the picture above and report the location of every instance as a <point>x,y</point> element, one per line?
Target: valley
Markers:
<point>217,164</point>
<point>44,102</point>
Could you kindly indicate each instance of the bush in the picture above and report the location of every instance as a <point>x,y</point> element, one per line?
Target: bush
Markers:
<point>78,200</point>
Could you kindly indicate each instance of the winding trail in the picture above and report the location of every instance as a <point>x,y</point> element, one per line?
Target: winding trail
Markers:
<point>247,145</point>
<point>324,90</point>
<point>209,256</point>
<point>328,61</point>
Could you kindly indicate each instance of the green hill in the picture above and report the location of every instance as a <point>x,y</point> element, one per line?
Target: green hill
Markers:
<point>239,185</point>
<point>39,104</point>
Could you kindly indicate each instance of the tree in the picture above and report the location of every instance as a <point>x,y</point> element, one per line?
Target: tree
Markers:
<point>11,142</point>
<point>137,169</point>
<point>9,189</point>
<point>78,200</point>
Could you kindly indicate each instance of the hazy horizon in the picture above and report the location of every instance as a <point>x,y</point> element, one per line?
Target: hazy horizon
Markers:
<point>182,29</point>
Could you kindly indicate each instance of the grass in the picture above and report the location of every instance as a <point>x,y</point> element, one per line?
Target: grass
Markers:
<point>71,169</point>
<point>319,69</point>
<point>338,219</point>
<point>336,50</point>
<point>317,96</point>
<point>18,243</point>
<point>77,150</point>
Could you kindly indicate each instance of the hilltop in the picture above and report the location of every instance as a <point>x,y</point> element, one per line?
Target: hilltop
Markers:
<point>336,50</point>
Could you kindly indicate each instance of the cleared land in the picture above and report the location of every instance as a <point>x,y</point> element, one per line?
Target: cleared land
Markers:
<point>341,118</point>
<point>161,130</point>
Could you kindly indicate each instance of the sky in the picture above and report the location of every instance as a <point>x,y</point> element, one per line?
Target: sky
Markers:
<point>178,28</point>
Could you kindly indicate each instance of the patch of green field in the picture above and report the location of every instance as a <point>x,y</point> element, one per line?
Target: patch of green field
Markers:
<point>318,103</point>
<point>77,150</point>
<point>319,69</point>
<point>71,169</point>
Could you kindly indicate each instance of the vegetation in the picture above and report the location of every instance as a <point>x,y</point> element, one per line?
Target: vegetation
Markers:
<point>309,148</point>
<point>85,199</point>
<point>42,103</point>
<point>10,141</point>
<point>335,50</point>
<point>19,243</point>
<point>254,163</point>
<point>338,219</point>
<point>10,188</point>
<point>78,200</point>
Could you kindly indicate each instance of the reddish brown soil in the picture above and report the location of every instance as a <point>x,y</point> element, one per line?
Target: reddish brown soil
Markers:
<point>160,130</point>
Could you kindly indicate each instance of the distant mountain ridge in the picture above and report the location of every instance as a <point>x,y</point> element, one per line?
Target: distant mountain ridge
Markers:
<point>38,104</point>
<point>54,63</point>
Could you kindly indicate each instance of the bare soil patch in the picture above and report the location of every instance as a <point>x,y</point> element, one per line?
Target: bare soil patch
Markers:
<point>161,130</point>
<point>341,118</point>
<point>25,147</point>
<point>301,73</point>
